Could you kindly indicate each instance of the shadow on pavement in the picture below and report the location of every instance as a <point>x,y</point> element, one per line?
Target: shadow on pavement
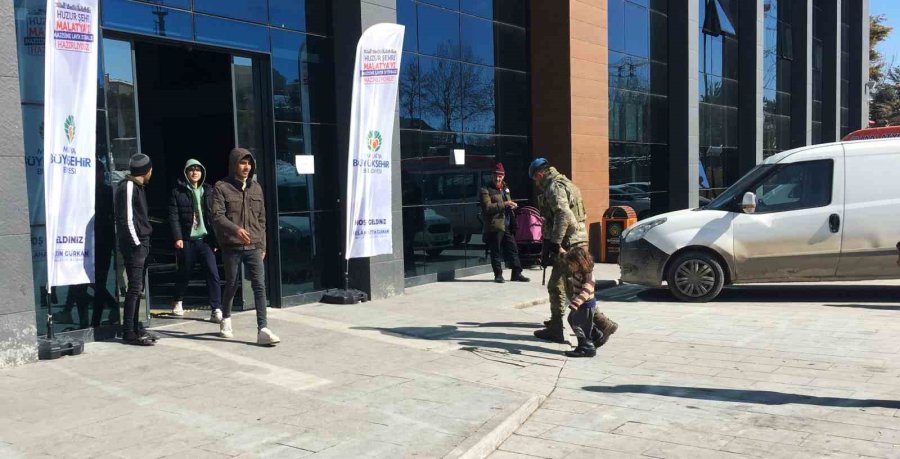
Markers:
<point>503,341</point>
<point>209,337</point>
<point>762,397</point>
<point>767,294</point>
<point>501,324</point>
<point>877,307</point>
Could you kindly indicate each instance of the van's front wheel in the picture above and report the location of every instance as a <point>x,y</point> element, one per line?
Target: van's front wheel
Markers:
<point>696,277</point>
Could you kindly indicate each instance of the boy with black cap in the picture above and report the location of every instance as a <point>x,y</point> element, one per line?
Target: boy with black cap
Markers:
<point>239,218</point>
<point>133,226</point>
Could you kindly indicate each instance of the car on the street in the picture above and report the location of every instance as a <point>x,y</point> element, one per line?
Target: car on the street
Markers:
<point>627,195</point>
<point>820,213</point>
<point>436,236</point>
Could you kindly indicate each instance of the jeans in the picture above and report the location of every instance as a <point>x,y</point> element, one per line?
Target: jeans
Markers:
<point>582,322</point>
<point>501,243</point>
<point>192,251</point>
<point>135,267</point>
<point>253,263</point>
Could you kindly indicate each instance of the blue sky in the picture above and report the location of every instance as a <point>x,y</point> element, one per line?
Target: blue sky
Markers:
<point>890,48</point>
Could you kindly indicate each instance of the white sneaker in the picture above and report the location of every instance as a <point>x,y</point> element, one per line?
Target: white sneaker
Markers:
<point>178,309</point>
<point>225,328</point>
<point>265,337</point>
<point>215,316</point>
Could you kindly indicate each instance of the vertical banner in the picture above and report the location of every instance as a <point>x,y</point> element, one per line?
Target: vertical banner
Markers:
<point>375,82</point>
<point>70,118</point>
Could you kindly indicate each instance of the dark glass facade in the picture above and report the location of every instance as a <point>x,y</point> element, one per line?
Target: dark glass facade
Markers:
<point>818,64</point>
<point>638,103</point>
<point>252,58</point>
<point>777,59</point>
<point>845,68</point>
<point>464,85</point>
<point>719,67</point>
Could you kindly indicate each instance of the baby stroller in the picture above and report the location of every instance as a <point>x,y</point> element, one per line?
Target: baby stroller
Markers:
<point>529,233</point>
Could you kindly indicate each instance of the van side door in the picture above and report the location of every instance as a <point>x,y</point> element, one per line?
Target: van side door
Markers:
<point>872,226</point>
<point>795,233</point>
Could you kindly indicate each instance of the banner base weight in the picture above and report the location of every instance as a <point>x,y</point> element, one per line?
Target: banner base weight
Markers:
<point>54,348</point>
<point>344,296</point>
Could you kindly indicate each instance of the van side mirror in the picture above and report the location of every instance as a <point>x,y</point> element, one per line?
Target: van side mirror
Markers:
<point>749,203</point>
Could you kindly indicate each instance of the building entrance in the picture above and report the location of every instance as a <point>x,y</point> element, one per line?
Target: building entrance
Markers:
<point>192,104</point>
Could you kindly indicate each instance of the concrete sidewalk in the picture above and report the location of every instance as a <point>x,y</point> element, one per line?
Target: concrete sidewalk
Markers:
<point>448,369</point>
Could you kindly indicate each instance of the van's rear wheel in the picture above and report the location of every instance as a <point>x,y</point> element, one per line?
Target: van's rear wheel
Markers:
<point>695,277</point>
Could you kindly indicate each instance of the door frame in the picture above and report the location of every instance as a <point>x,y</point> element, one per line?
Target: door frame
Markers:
<point>262,76</point>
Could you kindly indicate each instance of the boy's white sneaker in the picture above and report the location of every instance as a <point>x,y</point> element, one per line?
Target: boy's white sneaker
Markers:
<point>265,337</point>
<point>225,328</point>
<point>215,316</point>
<point>178,309</point>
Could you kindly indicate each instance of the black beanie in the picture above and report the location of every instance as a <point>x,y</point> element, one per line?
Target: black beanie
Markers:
<point>139,164</point>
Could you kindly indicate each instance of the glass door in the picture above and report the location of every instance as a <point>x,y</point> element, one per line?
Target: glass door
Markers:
<point>248,86</point>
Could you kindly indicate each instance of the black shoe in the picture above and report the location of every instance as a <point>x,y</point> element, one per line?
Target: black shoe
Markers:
<point>147,334</point>
<point>134,339</point>
<point>579,352</point>
<point>547,323</point>
<point>519,278</point>
<point>547,335</point>
<point>499,279</point>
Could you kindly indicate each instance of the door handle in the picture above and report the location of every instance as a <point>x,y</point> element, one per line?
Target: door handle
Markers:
<point>834,223</point>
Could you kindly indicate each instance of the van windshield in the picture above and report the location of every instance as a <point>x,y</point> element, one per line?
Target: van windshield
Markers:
<point>726,200</point>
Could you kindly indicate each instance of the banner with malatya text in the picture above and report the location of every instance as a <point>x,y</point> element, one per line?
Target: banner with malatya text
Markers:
<point>70,119</point>
<point>375,82</point>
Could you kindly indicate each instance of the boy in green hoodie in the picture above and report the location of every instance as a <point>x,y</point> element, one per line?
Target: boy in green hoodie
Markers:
<point>191,221</point>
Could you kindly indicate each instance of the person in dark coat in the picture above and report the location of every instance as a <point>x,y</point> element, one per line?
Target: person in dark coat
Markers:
<point>134,230</point>
<point>239,216</point>
<point>499,226</point>
<point>190,217</point>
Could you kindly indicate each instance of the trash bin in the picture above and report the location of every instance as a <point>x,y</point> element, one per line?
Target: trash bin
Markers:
<point>615,220</point>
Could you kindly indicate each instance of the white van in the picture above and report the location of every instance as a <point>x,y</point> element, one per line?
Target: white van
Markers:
<point>827,212</point>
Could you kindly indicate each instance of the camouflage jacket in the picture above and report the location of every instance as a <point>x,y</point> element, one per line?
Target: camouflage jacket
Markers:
<point>561,206</point>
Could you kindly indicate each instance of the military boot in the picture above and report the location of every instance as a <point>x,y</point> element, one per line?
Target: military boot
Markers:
<point>605,326</point>
<point>553,333</point>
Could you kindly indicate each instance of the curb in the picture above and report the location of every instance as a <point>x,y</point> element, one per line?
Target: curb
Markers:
<point>600,285</point>
<point>479,446</point>
<point>531,303</point>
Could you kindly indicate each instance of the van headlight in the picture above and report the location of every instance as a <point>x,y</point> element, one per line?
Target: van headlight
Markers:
<point>638,232</point>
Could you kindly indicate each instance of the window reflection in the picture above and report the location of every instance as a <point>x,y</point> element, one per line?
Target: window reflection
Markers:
<point>441,36</point>
<point>247,10</point>
<point>777,55</point>
<point>120,101</point>
<point>146,19</point>
<point>302,77</point>
<point>303,15</point>
<point>441,94</point>
<point>478,104</point>
<point>233,34</point>
<point>718,109</point>
<point>638,106</point>
<point>406,15</point>
<point>477,41</point>
<point>466,88</point>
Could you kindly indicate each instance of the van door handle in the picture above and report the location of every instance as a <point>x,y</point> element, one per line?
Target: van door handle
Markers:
<point>834,222</point>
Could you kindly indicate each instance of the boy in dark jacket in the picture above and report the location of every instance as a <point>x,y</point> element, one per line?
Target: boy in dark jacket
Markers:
<point>190,217</point>
<point>133,227</point>
<point>239,217</point>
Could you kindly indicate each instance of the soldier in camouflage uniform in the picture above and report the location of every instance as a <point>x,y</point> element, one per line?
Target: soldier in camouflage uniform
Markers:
<point>559,201</point>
